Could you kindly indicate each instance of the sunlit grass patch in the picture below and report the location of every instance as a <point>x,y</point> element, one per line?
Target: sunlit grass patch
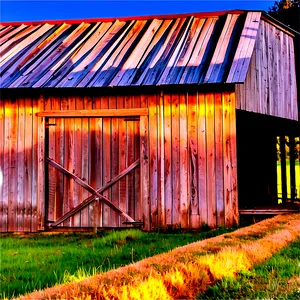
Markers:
<point>277,278</point>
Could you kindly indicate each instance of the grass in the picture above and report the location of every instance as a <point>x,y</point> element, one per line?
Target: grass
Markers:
<point>277,278</point>
<point>33,262</point>
<point>186,271</point>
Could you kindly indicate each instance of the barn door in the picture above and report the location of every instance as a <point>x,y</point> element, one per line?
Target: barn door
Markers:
<point>95,150</point>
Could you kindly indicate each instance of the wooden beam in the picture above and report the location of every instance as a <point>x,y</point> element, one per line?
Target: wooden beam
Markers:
<point>91,198</point>
<point>144,156</point>
<point>283,168</point>
<point>116,113</point>
<point>271,211</point>
<point>91,190</point>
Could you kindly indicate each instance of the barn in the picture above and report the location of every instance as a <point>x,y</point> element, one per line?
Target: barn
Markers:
<point>175,120</point>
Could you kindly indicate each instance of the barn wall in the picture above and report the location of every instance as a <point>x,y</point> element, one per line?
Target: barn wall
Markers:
<point>270,87</point>
<point>21,184</point>
<point>192,144</point>
<point>192,160</point>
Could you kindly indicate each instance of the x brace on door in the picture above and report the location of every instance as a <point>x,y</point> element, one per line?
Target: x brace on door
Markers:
<point>95,193</point>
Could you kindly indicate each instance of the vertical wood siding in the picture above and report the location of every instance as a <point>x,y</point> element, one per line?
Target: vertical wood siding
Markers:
<point>270,86</point>
<point>194,138</point>
<point>189,139</point>
<point>21,192</point>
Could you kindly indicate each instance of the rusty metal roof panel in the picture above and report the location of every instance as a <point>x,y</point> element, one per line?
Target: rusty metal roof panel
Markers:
<point>188,49</point>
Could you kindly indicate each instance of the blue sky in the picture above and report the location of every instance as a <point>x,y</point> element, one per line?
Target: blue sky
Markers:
<point>23,10</point>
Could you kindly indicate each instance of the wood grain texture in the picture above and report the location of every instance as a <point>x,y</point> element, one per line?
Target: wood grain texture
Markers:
<point>187,145</point>
<point>270,84</point>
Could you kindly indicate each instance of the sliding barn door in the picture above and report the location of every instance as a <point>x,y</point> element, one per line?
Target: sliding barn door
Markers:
<point>96,150</point>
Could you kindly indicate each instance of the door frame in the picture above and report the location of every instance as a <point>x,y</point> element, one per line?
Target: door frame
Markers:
<point>142,113</point>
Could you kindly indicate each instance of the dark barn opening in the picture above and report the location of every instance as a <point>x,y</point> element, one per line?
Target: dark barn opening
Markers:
<point>267,161</point>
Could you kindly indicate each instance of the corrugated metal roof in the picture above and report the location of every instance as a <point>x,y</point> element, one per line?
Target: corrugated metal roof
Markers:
<point>144,52</point>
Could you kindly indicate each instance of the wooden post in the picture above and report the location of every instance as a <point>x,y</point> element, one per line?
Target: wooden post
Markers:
<point>41,168</point>
<point>292,167</point>
<point>144,157</point>
<point>283,168</point>
<point>96,209</point>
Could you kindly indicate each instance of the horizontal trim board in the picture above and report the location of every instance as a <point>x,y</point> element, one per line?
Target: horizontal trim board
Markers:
<point>94,113</point>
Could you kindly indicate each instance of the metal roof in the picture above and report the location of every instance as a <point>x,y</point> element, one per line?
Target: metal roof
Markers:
<point>191,49</point>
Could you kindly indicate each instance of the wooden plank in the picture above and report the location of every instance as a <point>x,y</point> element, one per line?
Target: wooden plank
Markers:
<point>41,169</point>
<point>294,106</point>
<point>168,46</point>
<point>96,156</point>
<point>175,138</point>
<point>8,31</point>
<point>114,219</point>
<point>95,60</point>
<point>241,60</point>
<point>122,157</point>
<point>264,69</point>
<point>106,159</point>
<point>59,140</point>
<point>171,67</point>
<point>202,158</point>
<point>161,155</point>
<point>227,144</point>
<point>24,69</point>
<point>193,156</point>
<point>51,175</point>
<point>234,178</point>
<point>153,163</point>
<point>283,168</point>
<point>126,74</point>
<point>219,160</point>
<point>144,157</point>
<point>57,58</point>
<point>137,172</point>
<point>168,159</point>
<point>193,72</point>
<point>66,160</point>
<point>211,155</point>
<point>18,56</point>
<point>87,213</point>
<point>21,41</point>
<point>78,190</point>
<point>129,159</point>
<point>12,136</point>
<point>118,57</point>
<point>88,188</point>
<point>183,161</point>
<point>270,60</point>
<point>3,206</point>
<point>85,70</point>
<point>230,161</point>
<point>152,53</point>
<point>80,57</point>
<point>185,55</point>
<point>71,157</point>
<point>91,198</point>
<point>21,159</point>
<point>104,112</point>
<point>218,62</point>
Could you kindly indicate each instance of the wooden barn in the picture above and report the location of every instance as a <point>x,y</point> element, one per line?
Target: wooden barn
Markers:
<point>152,121</point>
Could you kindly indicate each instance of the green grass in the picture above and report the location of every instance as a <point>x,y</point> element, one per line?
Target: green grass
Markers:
<point>33,262</point>
<point>277,278</point>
